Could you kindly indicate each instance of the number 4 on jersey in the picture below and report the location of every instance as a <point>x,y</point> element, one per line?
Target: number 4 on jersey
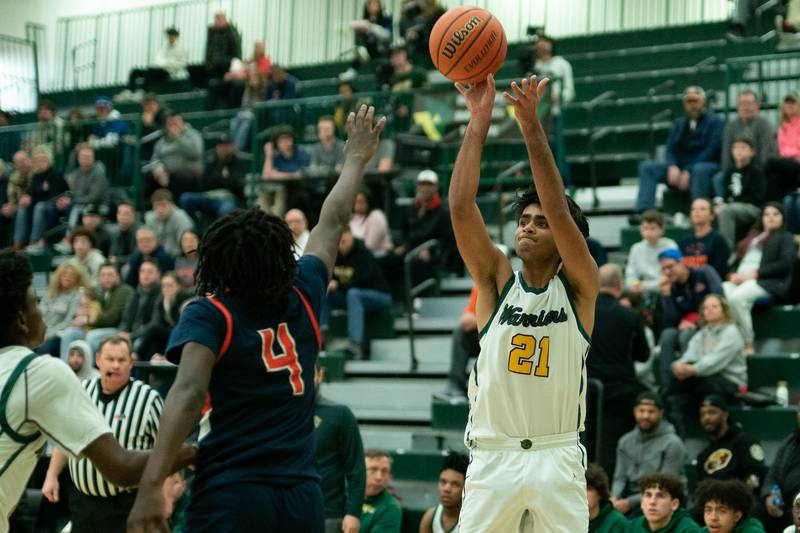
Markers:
<point>285,360</point>
<point>519,358</point>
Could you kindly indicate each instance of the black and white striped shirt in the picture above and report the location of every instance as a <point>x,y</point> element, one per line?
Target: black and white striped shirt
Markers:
<point>133,414</point>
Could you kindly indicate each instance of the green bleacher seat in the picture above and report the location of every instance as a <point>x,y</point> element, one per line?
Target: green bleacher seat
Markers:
<point>416,465</point>
<point>378,325</point>
<point>630,235</point>
<point>333,363</point>
<point>447,415</point>
<point>767,370</point>
<point>776,322</point>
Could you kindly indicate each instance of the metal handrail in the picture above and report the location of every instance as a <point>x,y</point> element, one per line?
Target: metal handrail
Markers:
<point>412,292</point>
<point>590,106</point>
<point>75,68</point>
<point>661,115</point>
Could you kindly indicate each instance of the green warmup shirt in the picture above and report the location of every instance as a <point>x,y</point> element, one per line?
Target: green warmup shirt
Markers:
<point>748,525</point>
<point>381,514</point>
<point>680,522</point>
<point>340,458</point>
<point>608,520</point>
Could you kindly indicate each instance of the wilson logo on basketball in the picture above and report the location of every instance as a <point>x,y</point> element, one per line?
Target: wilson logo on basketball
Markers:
<point>459,37</point>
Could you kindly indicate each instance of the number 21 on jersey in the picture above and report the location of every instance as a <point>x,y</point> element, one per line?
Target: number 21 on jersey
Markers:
<point>520,358</point>
<point>282,361</point>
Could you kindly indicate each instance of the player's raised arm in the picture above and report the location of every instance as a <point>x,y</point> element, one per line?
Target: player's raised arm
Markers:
<point>486,264</point>
<point>363,135</point>
<point>580,268</point>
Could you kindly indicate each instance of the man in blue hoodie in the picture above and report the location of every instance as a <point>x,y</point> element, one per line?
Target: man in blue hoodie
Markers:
<point>693,153</point>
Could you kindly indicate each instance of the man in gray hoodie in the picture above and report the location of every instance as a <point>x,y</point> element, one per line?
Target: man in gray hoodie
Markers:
<point>88,183</point>
<point>177,161</point>
<point>652,446</point>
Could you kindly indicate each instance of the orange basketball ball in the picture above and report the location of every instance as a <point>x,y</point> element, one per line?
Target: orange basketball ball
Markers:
<point>467,44</point>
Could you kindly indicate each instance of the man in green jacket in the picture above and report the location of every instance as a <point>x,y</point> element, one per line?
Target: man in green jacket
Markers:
<point>113,296</point>
<point>662,497</point>
<point>380,512</point>
<point>603,517</point>
<point>726,506</point>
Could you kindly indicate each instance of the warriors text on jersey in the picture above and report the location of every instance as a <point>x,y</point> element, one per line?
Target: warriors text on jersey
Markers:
<point>530,378</point>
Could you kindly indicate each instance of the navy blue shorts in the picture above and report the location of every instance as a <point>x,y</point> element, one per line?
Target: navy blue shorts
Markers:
<point>253,507</point>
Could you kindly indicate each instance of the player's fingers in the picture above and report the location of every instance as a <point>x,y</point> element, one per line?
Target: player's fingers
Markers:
<point>368,119</point>
<point>525,86</point>
<point>490,80</point>
<point>510,99</point>
<point>542,86</point>
<point>515,89</point>
<point>163,526</point>
<point>460,87</point>
<point>380,125</point>
<point>351,121</point>
<point>362,110</point>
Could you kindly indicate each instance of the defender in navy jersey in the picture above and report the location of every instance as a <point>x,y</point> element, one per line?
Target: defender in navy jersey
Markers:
<point>246,355</point>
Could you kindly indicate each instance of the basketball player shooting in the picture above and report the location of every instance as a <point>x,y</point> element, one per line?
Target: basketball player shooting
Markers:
<point>527,390</point>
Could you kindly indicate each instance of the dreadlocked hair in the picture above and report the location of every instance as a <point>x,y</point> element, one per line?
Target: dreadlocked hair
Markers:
<point>530,196</point>
<point>248,254</point>
<point>16,277</point>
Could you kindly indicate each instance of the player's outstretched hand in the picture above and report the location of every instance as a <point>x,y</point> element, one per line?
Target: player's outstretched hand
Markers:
<point>148,513</point>
<point>526,98</point>
<point>363,133</point>
<point>479,98</point>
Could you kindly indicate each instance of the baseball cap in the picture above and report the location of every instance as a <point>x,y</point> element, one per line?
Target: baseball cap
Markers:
<point>224,139</point>
<point>791,96</point>
<point>172,30</point>
<point>648,398</point>
<point>670,253</point>
<point>694,90</point>
<point>103,101</point>
<point>715,400</point>
<point>428,176</point>
<point>91,209</point>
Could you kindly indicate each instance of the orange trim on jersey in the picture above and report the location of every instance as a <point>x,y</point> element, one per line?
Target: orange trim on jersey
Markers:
<point>311,316</point>
<point>228,327</point>
<point>207,406</point>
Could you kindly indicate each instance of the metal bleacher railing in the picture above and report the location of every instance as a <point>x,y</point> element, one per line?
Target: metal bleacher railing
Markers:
<point>771,76</point>
<point>19,80</point>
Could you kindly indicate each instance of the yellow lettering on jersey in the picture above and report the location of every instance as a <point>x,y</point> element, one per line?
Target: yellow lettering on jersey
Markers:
<point>519,359</point>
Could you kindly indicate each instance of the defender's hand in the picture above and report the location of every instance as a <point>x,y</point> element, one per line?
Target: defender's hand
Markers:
<point>363,133</point>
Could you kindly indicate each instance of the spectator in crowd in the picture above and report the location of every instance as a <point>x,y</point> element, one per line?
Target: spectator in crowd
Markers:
<point>88,183</point>
<point>47,186</point>
<point>706,246</point>
<point>764,268</point>
<point>416,23</point>
<point>597,251</point>
<point>298,225</point>
<point>652,446</point>
<point>79,359</point>
<point>253,73</point>
<point>682,292</point>
<point>107,132</point>
<point>87,256</point>
<point>738,202</point>
<point>445,516</point>
<point>166,312</point>
<point>177,160</point>
<point>785,474</point>
<point>147,248</point>
<point>122,242</point>
<point>170,62</point>
<point>603,517</point>
<point>373,32</point>
<point>369,224</point>
<point>223,44</point>
<point>782,172</point>
<point>7,209</point>
<point>380,511</point>
<point>153,120</point>
<point>113,296</point>
<point>92,220</point>
<point>10,141</point>
<point>464,346</point>
<point>795,527</point>
<point>49,129</point>
<point>643,271</point>
<point>255,91</point>
<point>618,340</point>
<point>749,124</point>
<point>714,362</point>
<point>221,189</point>
<point>327,155</point>
<point>693,153</point>
<point>731,452</point>
<point>662,500</point>
<point>358,286</point>
<point>96,504</point>
<point>283,160</point>
<point>77,130</point>
<point>340,459</point>
<point>348,103</point>
<point>282,85</point>
<point>186,262</point>
<point>726,507</point>
<point>427,219</point>
<point>167,221</point>
<point>383,160</point>
<point>405,76</point>
<point>59,305</point>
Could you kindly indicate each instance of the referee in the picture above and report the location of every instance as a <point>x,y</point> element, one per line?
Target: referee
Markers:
<point>132,409</point>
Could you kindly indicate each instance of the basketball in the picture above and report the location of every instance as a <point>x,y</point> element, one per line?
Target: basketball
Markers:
<point>467,44</point>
